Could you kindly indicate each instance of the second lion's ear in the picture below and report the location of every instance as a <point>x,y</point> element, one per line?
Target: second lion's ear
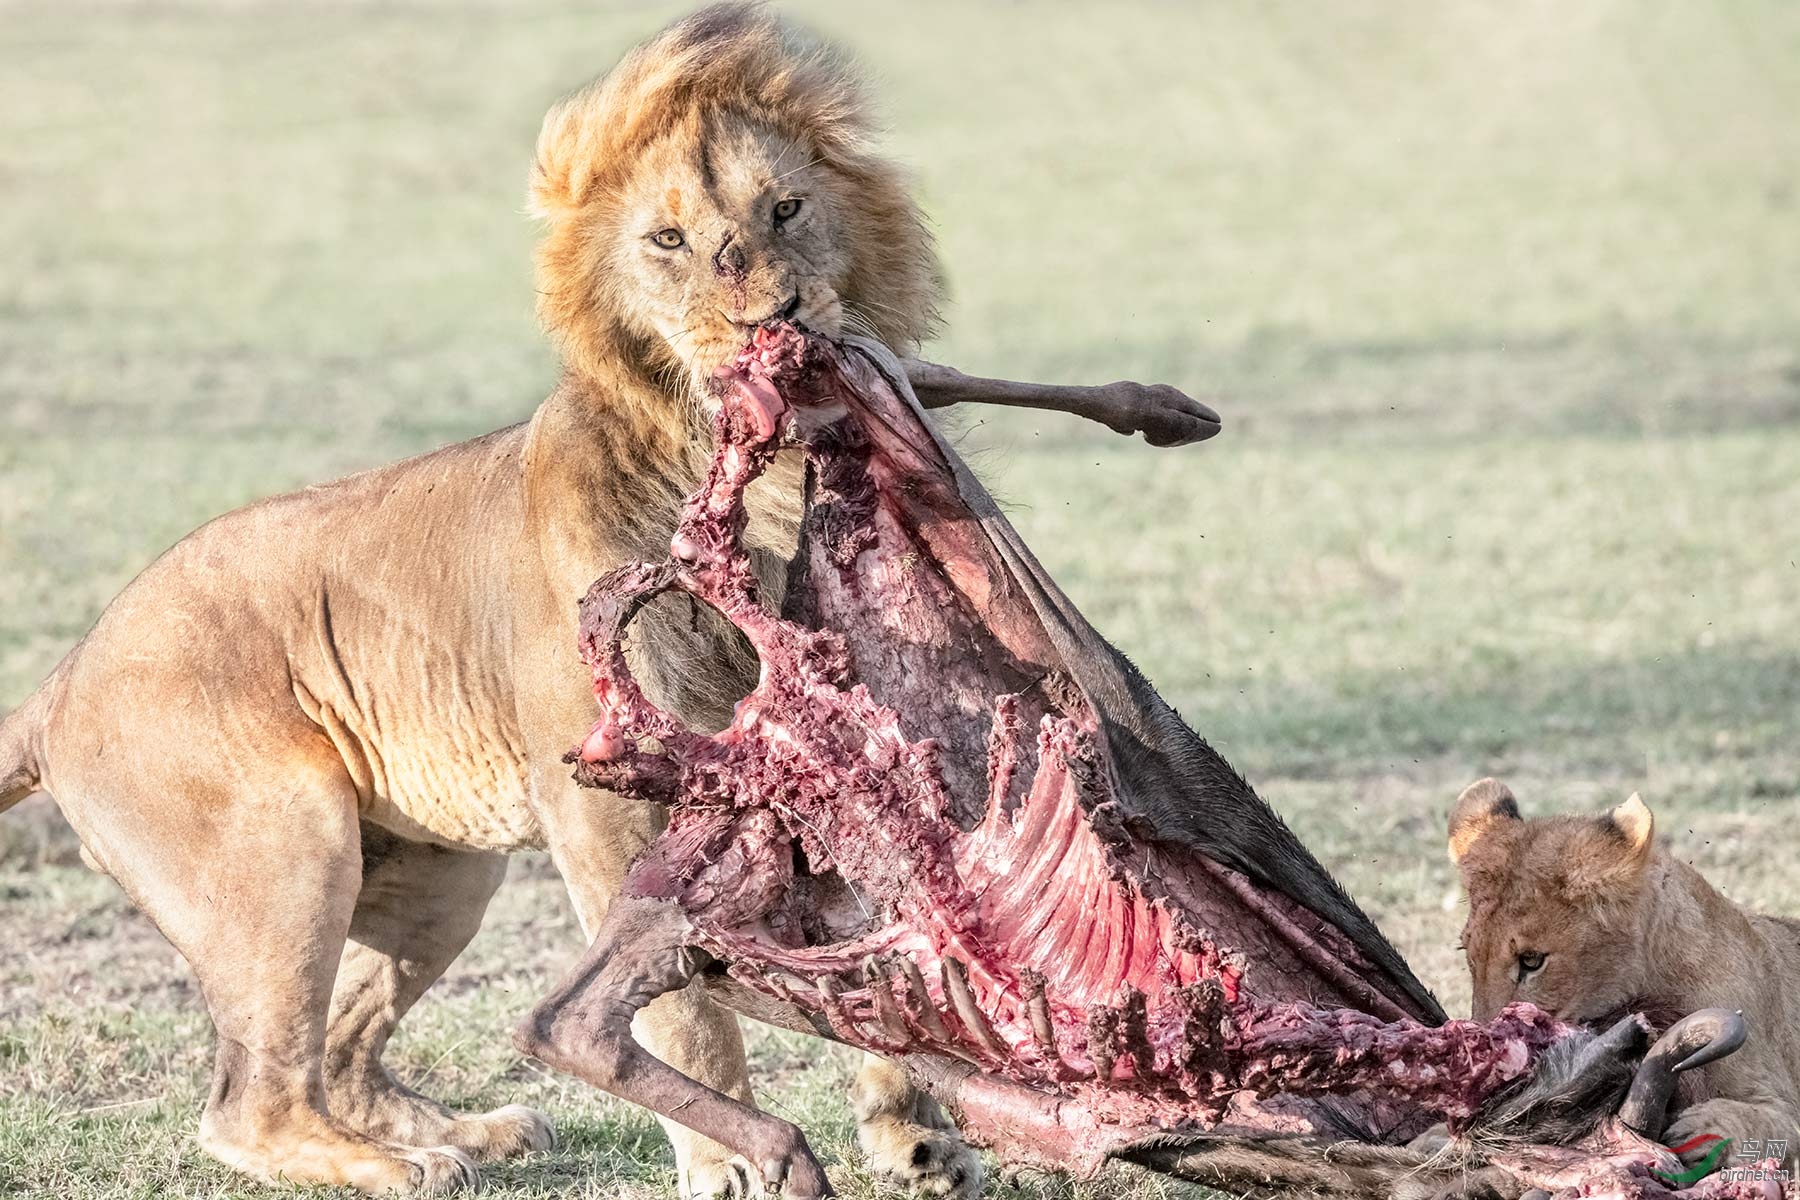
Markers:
<point>1633,821</point>
<point>1482,805</point>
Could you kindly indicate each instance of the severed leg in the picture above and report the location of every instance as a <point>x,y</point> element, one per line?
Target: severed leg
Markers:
<point>1164,415</point>
<point>584,1028</point>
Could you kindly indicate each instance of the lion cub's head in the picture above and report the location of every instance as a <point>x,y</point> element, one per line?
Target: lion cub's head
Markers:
<point>1556,904</point>
<point>718,177</point>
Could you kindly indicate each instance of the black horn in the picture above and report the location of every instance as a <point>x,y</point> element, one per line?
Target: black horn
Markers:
<point>1695,1040</point>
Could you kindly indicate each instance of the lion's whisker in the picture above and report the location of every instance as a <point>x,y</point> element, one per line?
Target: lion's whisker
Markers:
<point>782,157</point>
<point>811,163</point>
<point>866,303</point>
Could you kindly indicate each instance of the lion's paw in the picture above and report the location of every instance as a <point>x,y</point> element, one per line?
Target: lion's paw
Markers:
<point>722,1178</point>
<point>1700,1127</point>
<point>442,1170</point>
<point>926,1162</point>
<point>511,1131</point>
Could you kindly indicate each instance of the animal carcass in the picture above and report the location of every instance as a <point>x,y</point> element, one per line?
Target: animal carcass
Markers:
<point>951,824</point>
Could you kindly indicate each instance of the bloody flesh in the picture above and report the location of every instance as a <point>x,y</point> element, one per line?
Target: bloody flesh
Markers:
<point>949,881</point>
<point>940,827</point>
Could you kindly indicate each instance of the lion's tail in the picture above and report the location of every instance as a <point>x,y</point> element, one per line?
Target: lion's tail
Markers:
<point>21,740</point>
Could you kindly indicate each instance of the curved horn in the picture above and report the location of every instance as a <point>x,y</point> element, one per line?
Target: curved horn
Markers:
<point>1695,1040</point>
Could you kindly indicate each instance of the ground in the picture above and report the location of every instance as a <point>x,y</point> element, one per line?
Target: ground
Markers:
<point>1498,303</point>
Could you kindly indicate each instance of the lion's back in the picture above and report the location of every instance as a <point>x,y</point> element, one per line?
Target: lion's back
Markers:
<point>364,616</point>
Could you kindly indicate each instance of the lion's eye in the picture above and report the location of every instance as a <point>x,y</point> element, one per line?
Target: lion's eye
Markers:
<point>785,209</point>
<point>1530,962</point>
<point>668,239</point>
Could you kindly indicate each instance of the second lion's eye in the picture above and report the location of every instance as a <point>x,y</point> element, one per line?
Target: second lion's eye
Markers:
<point>784,209</point>
<point>668,239</point>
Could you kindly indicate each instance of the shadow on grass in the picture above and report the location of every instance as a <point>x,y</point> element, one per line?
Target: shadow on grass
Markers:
<point>1734,701</point>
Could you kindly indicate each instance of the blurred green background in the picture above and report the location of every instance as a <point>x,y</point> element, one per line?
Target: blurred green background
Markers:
<point>1501,304</point>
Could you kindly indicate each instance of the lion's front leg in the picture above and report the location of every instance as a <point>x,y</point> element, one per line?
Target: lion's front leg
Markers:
<point>906,1136</point>
<point>1164,415</point>
<point>584,1028</point>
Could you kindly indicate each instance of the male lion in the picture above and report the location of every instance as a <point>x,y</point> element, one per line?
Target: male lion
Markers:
<point>305,738</point>
<point>1589,918</point>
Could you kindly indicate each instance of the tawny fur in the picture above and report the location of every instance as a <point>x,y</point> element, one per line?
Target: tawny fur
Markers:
<point>1623,925</point>
<point>304,739</point>
<point>889,1118</point>
<point>728,64</point>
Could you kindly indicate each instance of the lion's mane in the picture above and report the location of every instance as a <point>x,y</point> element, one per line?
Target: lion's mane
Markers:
<point>728,58</point>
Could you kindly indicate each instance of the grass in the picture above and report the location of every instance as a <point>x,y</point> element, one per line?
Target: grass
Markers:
<point>1498,303</point>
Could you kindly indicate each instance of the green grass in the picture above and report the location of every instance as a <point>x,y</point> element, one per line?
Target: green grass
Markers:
<point>1498,302</point>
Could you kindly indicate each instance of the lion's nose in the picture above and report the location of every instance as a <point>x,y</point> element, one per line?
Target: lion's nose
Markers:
<point>730,261</point>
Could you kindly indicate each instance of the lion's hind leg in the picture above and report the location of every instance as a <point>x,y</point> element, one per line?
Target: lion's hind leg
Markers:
<point>264,936</point>
<point>251,870</point>
<point>419,907</point>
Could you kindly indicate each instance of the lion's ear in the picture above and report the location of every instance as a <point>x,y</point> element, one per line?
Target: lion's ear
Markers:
<point>558,172</point>
<point>1482,805</point>
<point>1633,821</point>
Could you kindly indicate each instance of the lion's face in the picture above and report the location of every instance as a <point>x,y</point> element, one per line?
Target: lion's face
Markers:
<point>722,174</point>
<point>716,235</point>
<point>1555,905</point>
